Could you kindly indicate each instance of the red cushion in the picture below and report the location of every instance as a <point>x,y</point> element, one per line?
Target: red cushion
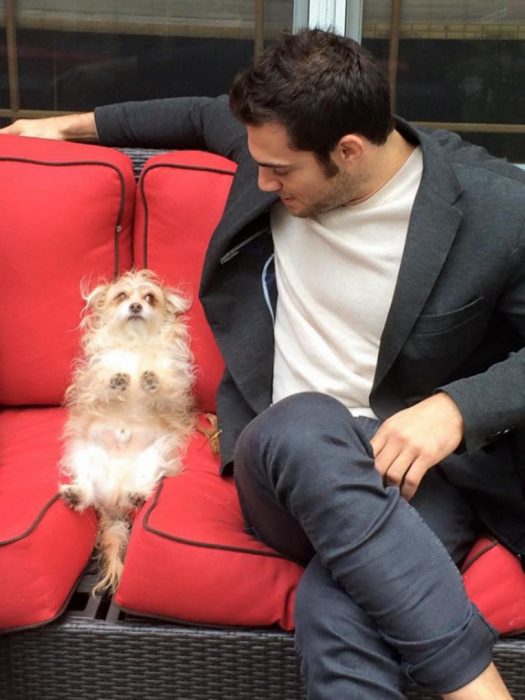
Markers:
<point>495,582</point>
<point>61,204</point>
<point>180,202</point>
<point>190,559</point>
<point>44,546</point>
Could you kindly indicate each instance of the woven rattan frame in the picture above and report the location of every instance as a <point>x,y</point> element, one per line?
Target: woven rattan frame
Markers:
<point>100,653</point>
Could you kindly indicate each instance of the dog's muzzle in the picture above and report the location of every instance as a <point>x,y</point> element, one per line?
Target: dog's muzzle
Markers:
<point>135,311</point>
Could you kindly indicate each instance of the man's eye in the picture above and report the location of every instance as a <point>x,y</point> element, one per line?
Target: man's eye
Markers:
<point>150,299</point>
<point>280,172</point>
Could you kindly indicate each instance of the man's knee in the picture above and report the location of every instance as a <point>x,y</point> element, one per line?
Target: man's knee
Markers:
<point>296,424</point>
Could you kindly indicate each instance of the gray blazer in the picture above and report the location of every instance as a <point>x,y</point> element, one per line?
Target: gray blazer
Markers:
<point>457,319</point>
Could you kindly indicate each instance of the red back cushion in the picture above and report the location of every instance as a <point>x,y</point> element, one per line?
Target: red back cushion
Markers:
<point>180,202</point>
<point>66,216</point>
<point>189,557</point>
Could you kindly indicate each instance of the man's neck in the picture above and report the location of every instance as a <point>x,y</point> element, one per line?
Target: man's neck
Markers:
<point>384,162</point>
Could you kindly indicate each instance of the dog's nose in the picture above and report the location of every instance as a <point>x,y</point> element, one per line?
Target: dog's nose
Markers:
<point>135,308</point>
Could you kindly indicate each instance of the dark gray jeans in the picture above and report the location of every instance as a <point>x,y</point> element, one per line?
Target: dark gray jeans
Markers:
<point>381,598</point>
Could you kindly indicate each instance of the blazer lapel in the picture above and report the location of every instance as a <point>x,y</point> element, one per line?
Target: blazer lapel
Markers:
<point>237,312</point>
<point>432,228</point>
<point>244,207</point>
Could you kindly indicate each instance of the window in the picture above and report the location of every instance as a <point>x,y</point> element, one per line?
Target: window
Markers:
<point>459,64</point>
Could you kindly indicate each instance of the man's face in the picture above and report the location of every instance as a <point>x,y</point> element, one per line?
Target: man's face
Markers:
<point>296,176</point>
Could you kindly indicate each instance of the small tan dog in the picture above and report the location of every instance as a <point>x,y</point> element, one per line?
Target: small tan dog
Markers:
<point>130,406</point>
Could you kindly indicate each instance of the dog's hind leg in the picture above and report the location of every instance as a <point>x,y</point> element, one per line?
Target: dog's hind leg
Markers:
<point>112,542</point>
<point>148,467</point>
<point>85,465</point>
<point>73,497</point>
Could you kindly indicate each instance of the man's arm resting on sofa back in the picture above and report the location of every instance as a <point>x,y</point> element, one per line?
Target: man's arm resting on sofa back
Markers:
<point>204,123</point>
<point>69,127</point>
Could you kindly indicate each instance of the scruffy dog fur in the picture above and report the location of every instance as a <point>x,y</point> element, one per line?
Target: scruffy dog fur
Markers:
<point>130,406</point>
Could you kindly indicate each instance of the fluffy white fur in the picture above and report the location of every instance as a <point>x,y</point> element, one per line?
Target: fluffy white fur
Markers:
<point>130,406</point>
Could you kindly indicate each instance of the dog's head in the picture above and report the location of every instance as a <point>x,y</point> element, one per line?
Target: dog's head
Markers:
<point>136,302</point>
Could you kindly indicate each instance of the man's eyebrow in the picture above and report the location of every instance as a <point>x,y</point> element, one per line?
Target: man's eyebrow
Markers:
<point>273,165</point>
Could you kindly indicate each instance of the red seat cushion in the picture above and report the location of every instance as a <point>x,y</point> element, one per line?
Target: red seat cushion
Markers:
<point>180,201</point>
<point>189,557</point>
<point>44,546</point>
<point>66,216</point>
<point>495,581</point>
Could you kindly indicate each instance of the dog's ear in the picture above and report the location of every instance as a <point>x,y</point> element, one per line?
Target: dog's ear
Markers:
<point>96,296</point>
<point>178,303</point>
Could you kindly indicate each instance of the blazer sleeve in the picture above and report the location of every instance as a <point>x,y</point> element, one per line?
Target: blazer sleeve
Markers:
<point>180,122</point>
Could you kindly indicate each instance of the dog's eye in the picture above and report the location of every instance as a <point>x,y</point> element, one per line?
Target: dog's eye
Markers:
<point>122,296</point>
<point>150,299</point>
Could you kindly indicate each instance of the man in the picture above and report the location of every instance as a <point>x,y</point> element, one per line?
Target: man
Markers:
<point>366,287</point>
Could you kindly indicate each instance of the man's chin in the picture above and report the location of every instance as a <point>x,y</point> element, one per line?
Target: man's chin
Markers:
<point>294,207</point>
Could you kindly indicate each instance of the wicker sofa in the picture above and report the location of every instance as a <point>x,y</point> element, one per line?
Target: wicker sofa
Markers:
<point>97,652</point>
<point>94,646</point>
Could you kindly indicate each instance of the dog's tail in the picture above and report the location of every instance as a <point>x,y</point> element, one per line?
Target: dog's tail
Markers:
<point>113,535</point>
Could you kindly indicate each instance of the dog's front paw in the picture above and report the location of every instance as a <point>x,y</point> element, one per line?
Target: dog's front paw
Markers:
<point>136,499</point>
<point>149,382</point>
<point>71,496</point>
<point>119,381</point>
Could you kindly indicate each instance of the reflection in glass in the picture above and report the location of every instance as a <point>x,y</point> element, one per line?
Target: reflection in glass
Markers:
<point>73,56</point>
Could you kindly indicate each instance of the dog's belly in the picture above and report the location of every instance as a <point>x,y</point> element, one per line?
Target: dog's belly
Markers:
<point>116,460</point>
<point>122,437</point>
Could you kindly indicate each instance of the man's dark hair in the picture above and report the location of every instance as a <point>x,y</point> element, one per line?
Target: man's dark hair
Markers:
<point>319,86</point>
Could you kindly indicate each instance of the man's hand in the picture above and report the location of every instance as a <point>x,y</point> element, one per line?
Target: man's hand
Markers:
<point>411,442</point>
<point>74,127</point>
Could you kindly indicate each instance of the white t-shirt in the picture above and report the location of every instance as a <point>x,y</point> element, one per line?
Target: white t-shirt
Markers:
<point>336,275</point>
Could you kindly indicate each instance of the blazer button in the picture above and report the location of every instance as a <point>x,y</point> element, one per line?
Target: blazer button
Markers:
<point>521,560</point>
<point>498,433</point>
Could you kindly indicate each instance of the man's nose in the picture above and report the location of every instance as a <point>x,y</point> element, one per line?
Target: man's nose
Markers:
<point>268,182</point>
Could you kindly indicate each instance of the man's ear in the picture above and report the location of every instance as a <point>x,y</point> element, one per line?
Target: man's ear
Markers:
<point>350,148</point>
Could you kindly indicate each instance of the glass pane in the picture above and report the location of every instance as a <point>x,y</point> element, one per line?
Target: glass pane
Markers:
<point>74,55</point>
<point>78,70</point>
<point>4,85</point>
<point>278,17</point>
<point>459,61</point>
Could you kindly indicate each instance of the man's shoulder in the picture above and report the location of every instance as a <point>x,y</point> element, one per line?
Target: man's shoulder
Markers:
<point>468,160</point>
